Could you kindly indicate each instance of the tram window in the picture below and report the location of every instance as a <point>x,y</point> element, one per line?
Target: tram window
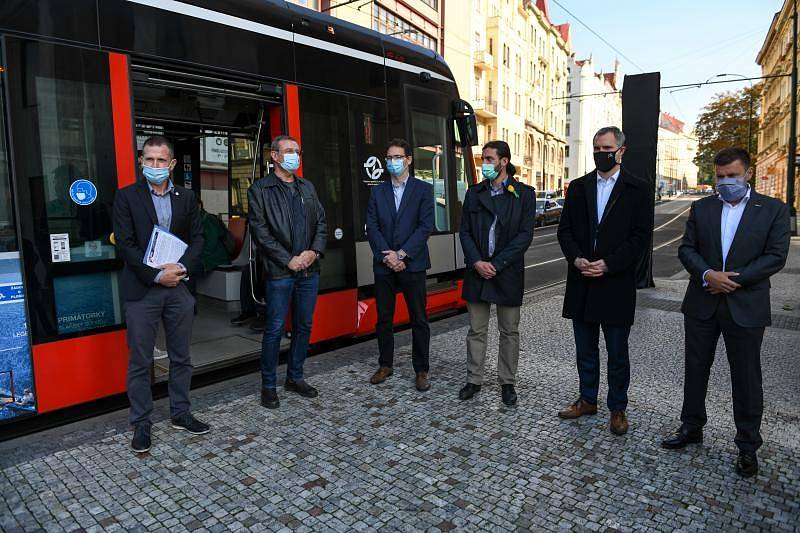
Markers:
<point>323,121</point>
<point>63,132</point>
<point>8,231</point>
<point>430,162</point>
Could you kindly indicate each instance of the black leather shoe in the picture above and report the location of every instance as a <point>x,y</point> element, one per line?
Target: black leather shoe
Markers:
<point>468,391</point>
<point>682,437</point>
<point>242,319</point>
<point>269,399</point>
<point>747,464</point>
<point>187,422</point>
<point>509,395</point>
<point>141,438</point>
<point>258,323</point>
<point>300,387</point>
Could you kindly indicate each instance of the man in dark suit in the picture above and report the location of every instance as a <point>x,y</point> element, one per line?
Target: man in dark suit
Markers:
<point>155,294</point>
<point>496,230</point>
<point>603,233</point>
<point>732,245</point>
<point>399,222</point>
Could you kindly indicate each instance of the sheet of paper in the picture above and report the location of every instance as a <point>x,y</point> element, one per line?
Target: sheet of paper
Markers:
<point>59,247</point>
<point>164,248</point>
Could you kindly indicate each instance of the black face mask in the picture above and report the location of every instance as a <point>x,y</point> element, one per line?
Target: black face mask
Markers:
<point>605,161</point>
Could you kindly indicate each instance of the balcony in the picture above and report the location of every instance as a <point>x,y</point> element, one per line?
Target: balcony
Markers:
<point>485,108</point>
<point>483,60</point>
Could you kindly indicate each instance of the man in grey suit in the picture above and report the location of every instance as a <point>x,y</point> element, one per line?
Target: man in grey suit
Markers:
<point>733,243</point>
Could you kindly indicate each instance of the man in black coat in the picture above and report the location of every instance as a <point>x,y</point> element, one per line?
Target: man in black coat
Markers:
<point>153,295</point>
<point>732,245</point>
<point>496,230</point>
<point>603,233</point>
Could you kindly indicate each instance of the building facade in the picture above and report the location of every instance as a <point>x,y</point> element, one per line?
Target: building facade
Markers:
<point>677,147</point>
<point>510,61</point>
<point>588,114</point>
<point>775,57</point>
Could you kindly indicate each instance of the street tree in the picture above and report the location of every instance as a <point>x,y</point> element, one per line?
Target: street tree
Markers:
<point>725,122</point>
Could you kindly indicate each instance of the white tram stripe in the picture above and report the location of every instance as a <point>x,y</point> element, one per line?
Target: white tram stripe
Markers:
<point>271,31</point>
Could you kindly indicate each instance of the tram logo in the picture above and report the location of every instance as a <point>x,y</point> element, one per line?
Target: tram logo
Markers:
<point>373,168</point>
<point>83,192</point>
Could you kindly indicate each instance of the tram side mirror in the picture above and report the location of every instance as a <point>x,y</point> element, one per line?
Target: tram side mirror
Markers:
<point>466,123</point>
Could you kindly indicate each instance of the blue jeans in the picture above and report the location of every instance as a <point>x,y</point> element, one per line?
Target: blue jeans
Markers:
<point>587,346</point>
<point>301,291</point>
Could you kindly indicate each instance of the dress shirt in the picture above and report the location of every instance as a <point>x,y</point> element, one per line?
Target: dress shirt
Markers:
<point>604,188</point>
<point>163,204</point>
<point>729,223</point>
<point>495,192</point>
<point>398,188</point>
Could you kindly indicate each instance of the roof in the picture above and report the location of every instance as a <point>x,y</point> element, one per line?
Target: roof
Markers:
<point>563,29</point>
<point>668,122</point>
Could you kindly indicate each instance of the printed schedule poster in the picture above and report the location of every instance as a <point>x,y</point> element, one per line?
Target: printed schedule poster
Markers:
<point>16,370</point>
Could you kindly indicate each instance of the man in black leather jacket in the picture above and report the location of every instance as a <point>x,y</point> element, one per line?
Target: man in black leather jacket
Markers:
<point>287,223</point>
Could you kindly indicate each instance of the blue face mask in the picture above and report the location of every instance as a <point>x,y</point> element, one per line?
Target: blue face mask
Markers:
<point>395,166</point>
<point>732,189</point>
<point>488,171</point>
<point>154,175</point>
<point>291,162</point>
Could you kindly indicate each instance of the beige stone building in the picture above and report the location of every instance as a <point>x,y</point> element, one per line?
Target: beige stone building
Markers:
<point>677,147</point>
<point>510,61</point>
<point>775,57</point>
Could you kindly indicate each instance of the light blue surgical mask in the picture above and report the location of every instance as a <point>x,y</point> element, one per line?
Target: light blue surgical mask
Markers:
<point>155,175</point>
<point>395,166</point>
<point>489,171</point>
<point>732,189</point>
<point>291,162</point>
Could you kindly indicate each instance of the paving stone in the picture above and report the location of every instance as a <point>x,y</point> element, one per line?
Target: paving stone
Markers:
<point>370,458</point>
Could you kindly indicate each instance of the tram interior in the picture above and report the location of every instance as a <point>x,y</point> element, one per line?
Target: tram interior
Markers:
<point>217,143</point>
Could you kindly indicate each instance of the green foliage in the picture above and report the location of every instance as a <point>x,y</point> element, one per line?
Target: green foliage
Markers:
<point>724,123</point>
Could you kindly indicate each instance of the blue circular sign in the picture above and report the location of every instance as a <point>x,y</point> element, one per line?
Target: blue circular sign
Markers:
<point>83,192</point>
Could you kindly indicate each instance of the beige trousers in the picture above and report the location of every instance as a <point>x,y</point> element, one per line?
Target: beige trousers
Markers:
<point>508,356</point>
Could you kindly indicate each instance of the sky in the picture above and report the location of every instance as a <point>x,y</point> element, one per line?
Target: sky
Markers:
<point>687,41</point>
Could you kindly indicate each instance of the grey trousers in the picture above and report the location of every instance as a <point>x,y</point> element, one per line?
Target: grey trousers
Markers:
<point>508,356</point>
<point>175,306</point>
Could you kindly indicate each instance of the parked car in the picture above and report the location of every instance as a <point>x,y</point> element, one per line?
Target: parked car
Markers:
<point>547,212</point>
<point>545,194</point>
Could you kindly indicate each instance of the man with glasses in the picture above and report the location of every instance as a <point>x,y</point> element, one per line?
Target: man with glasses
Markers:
<point>287,223</point>
<point>399,222</point>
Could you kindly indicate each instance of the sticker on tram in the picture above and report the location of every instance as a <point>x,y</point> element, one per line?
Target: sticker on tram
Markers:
<point>16,371</point>
<point>83,192</point>
<point>59,247</point>
<point>374,170</point>
<point>338,233</point>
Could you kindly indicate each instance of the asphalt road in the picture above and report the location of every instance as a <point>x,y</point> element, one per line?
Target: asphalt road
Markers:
<point>545,263</point>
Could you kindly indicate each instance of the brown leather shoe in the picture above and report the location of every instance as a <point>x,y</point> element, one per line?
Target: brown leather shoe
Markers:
<point>423,383</point>
<point>381,375</point>
<point>619,423</point>
<point>578,409</point>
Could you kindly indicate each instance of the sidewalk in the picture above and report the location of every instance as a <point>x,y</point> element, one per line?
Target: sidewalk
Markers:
<point>371,457</point>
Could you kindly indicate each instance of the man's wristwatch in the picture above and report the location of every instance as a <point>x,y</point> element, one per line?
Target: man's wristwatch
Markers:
<point>401,255</point>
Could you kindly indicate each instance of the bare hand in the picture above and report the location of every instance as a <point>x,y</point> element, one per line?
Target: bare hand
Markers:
<point>308,257</point>
<point>391,259</point>
<point>595,269</point>
<point>721,282</point>
<point>485,269</point>
<point>581,263</point>
<point>172,274</point>
<point>399,267</point>
<point>297,264</point>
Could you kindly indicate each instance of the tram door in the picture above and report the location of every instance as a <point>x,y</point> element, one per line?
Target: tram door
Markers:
<point>220,131</point>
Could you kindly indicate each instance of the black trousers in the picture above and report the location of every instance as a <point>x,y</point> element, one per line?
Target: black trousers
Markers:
<point>412,285</point>
<point>743,347</point>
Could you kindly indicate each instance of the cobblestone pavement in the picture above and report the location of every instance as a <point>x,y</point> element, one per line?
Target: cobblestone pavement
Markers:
<point>363,457</point>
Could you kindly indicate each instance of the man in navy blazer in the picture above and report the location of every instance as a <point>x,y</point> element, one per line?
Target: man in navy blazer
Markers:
<point>399,221</point>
